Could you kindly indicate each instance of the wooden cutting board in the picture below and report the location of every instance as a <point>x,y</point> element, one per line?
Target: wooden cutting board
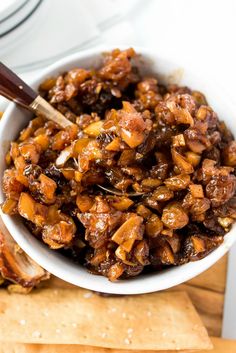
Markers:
<point>207,293</point>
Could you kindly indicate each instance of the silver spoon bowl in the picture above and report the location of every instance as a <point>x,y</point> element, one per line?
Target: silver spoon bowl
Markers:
<point>114,191</point>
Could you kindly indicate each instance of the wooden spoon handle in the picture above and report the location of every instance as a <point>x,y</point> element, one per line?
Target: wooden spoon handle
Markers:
<point>14,88</point>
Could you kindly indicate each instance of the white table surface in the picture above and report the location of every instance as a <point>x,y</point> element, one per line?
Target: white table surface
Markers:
<point>229,320</point>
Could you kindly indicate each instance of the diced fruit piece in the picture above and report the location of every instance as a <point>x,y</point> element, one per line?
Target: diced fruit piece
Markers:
<point>14,150</point>
<point>200,206</point>
<point>58,235</point>
<point>181,162</point>
<point>79,145</point>
<point>89,154</point>
<point>130,231</point>
<point>115,271</point>
<point>94,129</point>
<point>178,182</point>
<point>122,203</point>
<point>174,216</point>
<point>153,226</point>
<point>30,152</point>
<point>64,156</point>
<point>8,159</point>
<point>229,154</point>
<point>32,210</point>
<point>196,190</point>
<point>132,125</point>
<point>198,244</point>
<point>9,206</point>
<point>162,193</point>
<point>114,145</point>
<point>193,158</point>
<point>99,256</point>
<point>165,254</point>
<point>151,183</point>
<point>47,84</point>
<point>143,211</point>
<point>225,222</point>
<point>141,252</point>
<point>69,173</point>
<point>121,254</point>
<point>11,186</point>
<point>47,188</point>
<point>42,141</point>
<point>84,202</point>
<point>78,176</point>
<point>178,140</point>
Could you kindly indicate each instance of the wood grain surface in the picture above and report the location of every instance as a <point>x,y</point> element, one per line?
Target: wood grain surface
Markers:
<point>207,294</point>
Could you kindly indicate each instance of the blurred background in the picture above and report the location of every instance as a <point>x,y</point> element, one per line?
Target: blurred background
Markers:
<point>35,33</point>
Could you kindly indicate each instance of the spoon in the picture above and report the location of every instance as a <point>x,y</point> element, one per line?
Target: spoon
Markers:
<point>120,193</point>
<point>15,89</point>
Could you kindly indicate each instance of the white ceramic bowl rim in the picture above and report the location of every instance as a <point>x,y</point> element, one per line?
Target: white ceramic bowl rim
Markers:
<point>75,274</point>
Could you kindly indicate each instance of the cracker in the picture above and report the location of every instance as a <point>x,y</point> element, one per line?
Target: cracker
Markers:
<point>157,321</point>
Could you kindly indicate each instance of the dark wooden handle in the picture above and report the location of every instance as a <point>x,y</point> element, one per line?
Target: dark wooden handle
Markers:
<point>13,88</point>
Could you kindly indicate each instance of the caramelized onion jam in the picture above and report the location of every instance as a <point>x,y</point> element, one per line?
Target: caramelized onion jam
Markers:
<point>133,134</point>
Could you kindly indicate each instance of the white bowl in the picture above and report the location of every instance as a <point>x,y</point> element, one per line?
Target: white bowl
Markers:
<point>15,119</point>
